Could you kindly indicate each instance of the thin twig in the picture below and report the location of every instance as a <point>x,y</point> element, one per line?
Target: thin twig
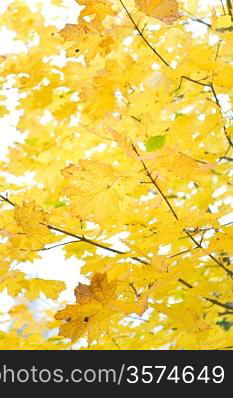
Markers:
<point>114,341</point>
<point>80,238</point>
<point>212,88</point>
<point>51,247</point>
<point>93,243</point>
<point>142,35</point>
<point>230,273</point>
<point>225,313</point>
<point>138,319</point>
<point>226,158</point>
<point>230,8</point>
<point>155,183</point>
<point>196,19</point>
<point>223,7</point>
<point>218,104</point>
<point>210,300</point>
<point>7,200</point>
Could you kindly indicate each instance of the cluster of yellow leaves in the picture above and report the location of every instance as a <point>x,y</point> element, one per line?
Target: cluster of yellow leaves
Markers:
<point>95,305</point>
<point>129,142</point>
<point>14,281</point>
<point>31,220</point>
<point>96,189</point>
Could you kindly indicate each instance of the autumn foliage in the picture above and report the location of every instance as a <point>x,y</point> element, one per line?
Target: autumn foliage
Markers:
<point>130,141</point>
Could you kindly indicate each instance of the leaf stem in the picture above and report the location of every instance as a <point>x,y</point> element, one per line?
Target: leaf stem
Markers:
<point>7,200</point>
<point>230,273</point>
<point>155,183</point>
<point>212,88</point>
<point>142,35</point>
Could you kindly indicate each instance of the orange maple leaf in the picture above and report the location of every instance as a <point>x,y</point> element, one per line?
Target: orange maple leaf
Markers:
<point>164,10</point>
<point>95,304</point>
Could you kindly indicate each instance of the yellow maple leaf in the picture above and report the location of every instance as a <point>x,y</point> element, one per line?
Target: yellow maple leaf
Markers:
<point>95,304</point>
<point>95,188</point>
<point>12,280</point>
<point>90,313</point>
<point>31,219</point>
<point>49,287</point>
<point>148,6</point>
<point>186,318</point>
<point>81,39</point>
<point>164,10</point>
<point>73,32</point>
<point>221,23</point>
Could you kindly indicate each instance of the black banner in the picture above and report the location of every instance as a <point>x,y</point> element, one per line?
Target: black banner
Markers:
<point>154,371</point>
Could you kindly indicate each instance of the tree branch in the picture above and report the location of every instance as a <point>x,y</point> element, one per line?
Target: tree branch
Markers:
<point>7,200</point>
<point>211,86</point>
<point>80,238</point>
<point>223,8</point>
<point>155,183</point>
<point>229,159</point>
<point>196,19</point>
<point>142,35</point>
<point>230,273</point>
<point>91,242</point>
<point>51,247</point>
<point>212,301</point>
<point>230,8</point>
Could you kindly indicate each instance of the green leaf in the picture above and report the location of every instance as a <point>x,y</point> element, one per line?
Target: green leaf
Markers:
<point>31,141</point>
<point>155,142</point>
<point>178,114</point>
<point>56,203</point>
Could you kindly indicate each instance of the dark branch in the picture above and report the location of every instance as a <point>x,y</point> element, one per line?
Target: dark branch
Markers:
<point>51,247</point>
<point>142,35</point>
<point>230,8</point>
<point>80,238</point>
<point>230,273</point>
<point>91,242</point>
<point>223,7</point>
<point>155,183</point>
<point>196,19</point>
<point>211,86</point>
<point>7,200</point>
<point>212,301</point>
<point>226,158</point>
